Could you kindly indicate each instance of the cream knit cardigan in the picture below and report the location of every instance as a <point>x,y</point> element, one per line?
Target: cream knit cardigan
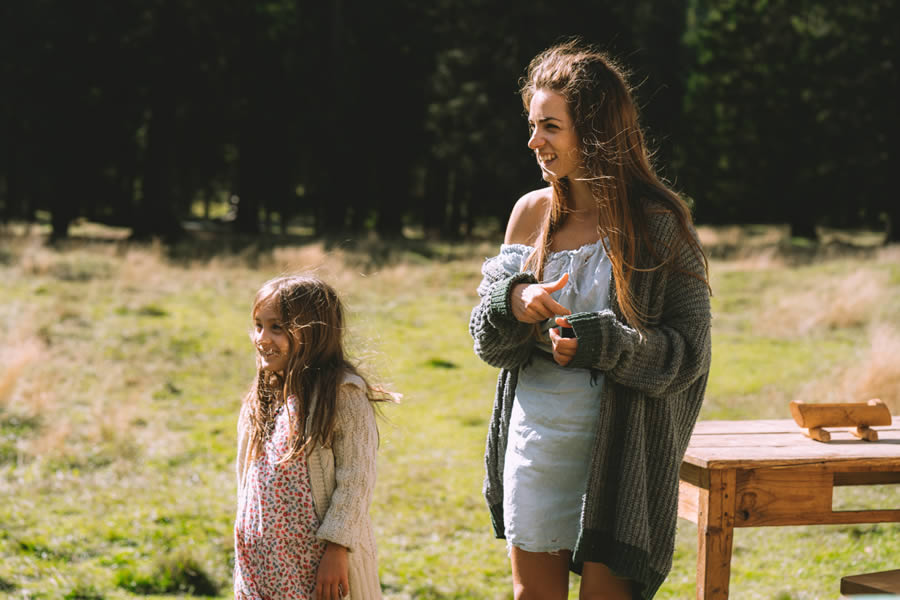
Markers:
<point>342,478</point>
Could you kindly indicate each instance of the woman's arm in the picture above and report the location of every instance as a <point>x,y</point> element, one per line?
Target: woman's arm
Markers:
<point>354,445</point>
<point>511,302</point>
<point>670,355</point>
<point>500,339</point>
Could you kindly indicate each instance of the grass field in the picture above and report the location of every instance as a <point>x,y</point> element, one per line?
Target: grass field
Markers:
<point>122,369</point>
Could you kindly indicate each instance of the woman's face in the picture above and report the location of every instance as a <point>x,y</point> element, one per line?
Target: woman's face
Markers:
<point>553,136</point>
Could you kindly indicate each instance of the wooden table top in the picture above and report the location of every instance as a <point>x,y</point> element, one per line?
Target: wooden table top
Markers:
<point>772,443</point>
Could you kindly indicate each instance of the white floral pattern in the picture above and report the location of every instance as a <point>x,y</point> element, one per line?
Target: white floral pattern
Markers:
<point>277,552</point>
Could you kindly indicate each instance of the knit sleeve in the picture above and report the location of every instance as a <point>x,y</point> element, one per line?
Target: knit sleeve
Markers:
<point>671,354</point>
<point>500,339</point>
<point>354,445</point>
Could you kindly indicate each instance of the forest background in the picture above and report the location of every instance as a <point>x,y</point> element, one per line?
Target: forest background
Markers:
<point>358,116</point>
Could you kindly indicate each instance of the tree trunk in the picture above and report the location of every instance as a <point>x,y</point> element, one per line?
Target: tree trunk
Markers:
<point>803,225</point>
<point>390,202</point>
<point>60,219</point>
<point>328,177</point>
<point>247,216</point>
<point>893,223</point>
<point>454,192</point>
<point>156,213</point>
<point>434,207</point>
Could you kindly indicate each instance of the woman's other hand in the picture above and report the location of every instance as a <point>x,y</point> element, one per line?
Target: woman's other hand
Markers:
<point>563,347</point>
<point>332,576</point>
<point>532,303</point>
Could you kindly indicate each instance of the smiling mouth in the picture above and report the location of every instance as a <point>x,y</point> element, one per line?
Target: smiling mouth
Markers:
<point>267,354</point>
<point>546,159</point>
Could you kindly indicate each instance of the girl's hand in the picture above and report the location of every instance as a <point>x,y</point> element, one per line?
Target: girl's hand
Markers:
<point>532,303</point>
<point>332,576</point>
<point>564,348</point>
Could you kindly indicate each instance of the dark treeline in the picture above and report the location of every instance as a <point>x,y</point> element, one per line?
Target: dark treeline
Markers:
<point>362,115</point>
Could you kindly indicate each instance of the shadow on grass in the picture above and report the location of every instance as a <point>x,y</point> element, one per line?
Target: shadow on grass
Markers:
<point>430,592</point>
<point>172,574</point>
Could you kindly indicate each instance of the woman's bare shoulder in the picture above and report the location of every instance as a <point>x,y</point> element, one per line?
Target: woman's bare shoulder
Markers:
<point>528,216</point>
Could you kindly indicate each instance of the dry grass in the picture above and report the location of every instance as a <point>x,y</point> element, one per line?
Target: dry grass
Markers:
<point>879,374</point>
<point>53,443</point>
<point>737,248</point>
<point>13,360</point>
<point>875,373</point>
<point>758,259</point>
<point>747,239</point>
<point>889,254</point>
<point>61,431</point>
<point>819,302</point>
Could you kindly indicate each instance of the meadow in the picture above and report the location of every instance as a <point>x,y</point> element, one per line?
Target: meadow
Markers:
<point>122,367</point>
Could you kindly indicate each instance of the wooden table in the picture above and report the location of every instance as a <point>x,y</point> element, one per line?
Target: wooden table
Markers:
<point>760,473</point>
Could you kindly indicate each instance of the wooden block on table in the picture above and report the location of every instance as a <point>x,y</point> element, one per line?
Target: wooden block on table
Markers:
<point>818,434</point>
<point>862,415</point>
<point>840,414</point>
<point>884,582</point>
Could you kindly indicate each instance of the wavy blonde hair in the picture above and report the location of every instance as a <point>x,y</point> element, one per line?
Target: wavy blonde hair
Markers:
<point>313,317</point>
<point>615,156</point>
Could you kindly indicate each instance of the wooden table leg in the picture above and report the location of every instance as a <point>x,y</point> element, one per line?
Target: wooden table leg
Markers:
<point>715,528</point>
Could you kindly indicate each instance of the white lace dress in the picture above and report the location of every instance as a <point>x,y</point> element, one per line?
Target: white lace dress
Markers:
<point>553,419</point>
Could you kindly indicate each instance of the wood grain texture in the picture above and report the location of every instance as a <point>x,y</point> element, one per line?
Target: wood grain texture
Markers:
<point>760,426</point>
<point>715,532</point>
<point>865,477</point>
<point>773,496</point>
<point>688,501</point>
<point>885,582</point>
<point>842,414</point>
<point>765,473</point>
<point>753,444</point>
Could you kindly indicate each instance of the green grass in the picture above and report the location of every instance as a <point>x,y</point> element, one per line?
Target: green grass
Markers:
<point>117,443</point>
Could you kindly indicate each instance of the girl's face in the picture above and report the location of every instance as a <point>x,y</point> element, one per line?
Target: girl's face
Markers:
<point>553,137</point>
<point>271,339</point>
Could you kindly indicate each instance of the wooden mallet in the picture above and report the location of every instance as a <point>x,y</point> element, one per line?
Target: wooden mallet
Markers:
<point>862,415</point>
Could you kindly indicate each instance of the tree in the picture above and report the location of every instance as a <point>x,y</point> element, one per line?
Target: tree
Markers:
<point>788,105</point>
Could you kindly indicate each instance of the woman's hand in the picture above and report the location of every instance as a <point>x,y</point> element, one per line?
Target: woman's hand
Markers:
<point>332,576</point>
<point>532,303</point>
<point>564,348</point>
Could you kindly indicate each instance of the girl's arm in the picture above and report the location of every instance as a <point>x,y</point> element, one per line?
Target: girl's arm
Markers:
<point>354,446</point>
<point>669,356</point>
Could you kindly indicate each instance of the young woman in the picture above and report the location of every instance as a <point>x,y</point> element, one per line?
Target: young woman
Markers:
<point>604,365</point>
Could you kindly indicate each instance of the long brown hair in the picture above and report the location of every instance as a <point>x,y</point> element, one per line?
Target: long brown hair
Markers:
<point>313,317</point>
<point>615,156</point>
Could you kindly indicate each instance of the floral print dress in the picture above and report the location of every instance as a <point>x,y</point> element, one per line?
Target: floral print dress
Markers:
<point>277,552</point>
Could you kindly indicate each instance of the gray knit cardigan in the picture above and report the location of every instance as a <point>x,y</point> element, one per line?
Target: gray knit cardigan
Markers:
<point>652,392</point>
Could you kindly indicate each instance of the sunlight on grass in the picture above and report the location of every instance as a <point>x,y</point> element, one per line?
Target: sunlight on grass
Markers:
<point>122,369</point>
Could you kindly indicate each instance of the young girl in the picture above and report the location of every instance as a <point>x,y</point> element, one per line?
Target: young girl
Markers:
<point>306,454</point>
<point>603,366</point>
